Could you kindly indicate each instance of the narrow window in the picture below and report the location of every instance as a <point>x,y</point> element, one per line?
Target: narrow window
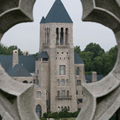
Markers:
<point>68,108</point>
<point>38,94</point>
<point>58,82</point>
<point>62,82</point>
<point>58,93</point>
<point>48,35</point>
<point>67,82</point>
<point>77,71</point>
<point>59,109</point>
<point>45,36</point>
<point>78,82</point>
<point>34,81</point>
<point>57,36</point>
<point>67,93</point>
<point>62,70</point>
<point>66,36</point>
<point>79,100</point>
<point>61,37</point>
<point>76,92</point>
<point>63,93</point>
<point>62,108</point>
<point>39,110</point>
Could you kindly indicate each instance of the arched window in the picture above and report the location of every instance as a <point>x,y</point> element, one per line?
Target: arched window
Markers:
<point>58,108</point>
<point>57,36</point>
<point>61,36</point>
<point>58,93</point>
<point>38,94</point>
<point>39,110</point>
<point>25,81</point>
<point>66,36</point>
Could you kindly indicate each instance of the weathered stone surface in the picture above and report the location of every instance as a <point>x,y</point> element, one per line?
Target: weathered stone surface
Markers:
<point>16,101</point>
<point>102,99</point>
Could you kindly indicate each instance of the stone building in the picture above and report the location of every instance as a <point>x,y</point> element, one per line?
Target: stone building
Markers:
<point>58,72</point>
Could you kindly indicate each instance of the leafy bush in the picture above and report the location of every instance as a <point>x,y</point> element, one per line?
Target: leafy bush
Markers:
<point>62,114</point>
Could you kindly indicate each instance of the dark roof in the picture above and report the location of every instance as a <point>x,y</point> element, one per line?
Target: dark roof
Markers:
<point>19,71</point>
<point>58,14</point>
<point>42,20</point>
<point>43,54</point>
<point>27,61</point>
<point>77,59</point>
<point>89,78</point>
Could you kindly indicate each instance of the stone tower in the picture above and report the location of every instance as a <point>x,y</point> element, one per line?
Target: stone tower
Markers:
<point>56,59</point>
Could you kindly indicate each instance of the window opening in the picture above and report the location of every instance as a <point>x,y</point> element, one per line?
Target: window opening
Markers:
<point>25,81</point>
<point>58,82</point>
<point>39,110</point>
<point>61,37</point>
<point>77,71</point>
<point>67,93</point>
<point>78,82</point>
<point>67,82</point>
<point>62,82</point>
<point>57,36</point>
<point>38,94</point>
<point>63,93</point>
<point>66,36</point>
<point>62,70</point>
<point>58,93</point>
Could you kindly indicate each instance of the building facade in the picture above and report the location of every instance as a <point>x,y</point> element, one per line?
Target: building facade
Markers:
<point>58,72</point>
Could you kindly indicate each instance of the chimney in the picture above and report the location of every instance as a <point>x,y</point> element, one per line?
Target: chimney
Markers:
<point>94,76</point>
<point>26,53</point>
<point>15,58</point>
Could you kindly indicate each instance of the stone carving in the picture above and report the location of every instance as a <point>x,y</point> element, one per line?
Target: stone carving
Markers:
<point>15,98</point>
<point>102,99</point>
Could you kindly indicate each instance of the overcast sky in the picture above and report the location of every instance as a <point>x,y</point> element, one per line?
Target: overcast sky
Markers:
<point>26,35</point>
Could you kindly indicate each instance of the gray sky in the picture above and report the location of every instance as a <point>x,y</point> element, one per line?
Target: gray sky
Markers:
<point>26,35</point>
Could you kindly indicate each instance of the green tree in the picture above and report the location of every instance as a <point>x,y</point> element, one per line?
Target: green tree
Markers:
<point>95,48</point>
<point>9,50</point>
<point>77,49</point>
<point>87,58</point>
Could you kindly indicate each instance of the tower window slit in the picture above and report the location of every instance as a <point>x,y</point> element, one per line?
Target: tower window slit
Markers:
<point>66,36</point>
<point>57,36</point>
<point>61,37</point>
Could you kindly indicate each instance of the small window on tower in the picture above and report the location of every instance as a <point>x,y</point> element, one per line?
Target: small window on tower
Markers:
<point>77,71</point>
<point>38,94</point>
<point>62,70</point>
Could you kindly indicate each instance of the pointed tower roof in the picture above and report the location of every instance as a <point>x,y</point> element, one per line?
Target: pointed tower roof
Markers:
<point>42,20</point>
<point>58,14</point>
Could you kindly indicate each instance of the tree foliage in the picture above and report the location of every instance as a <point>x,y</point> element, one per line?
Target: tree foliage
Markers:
<point>96,59</point>
<point>9,50</point>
